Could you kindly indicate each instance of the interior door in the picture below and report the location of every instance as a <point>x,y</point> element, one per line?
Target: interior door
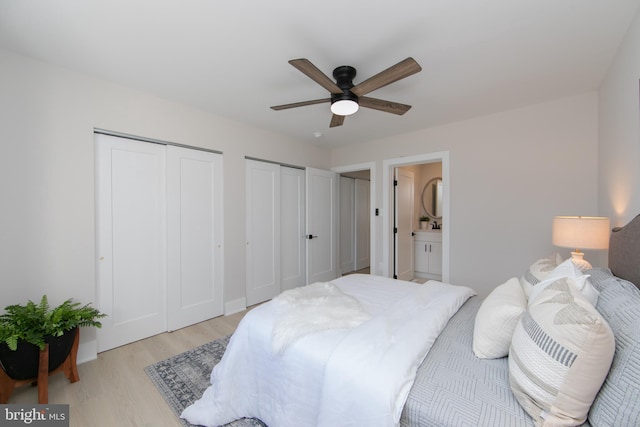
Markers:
<point>404,224</point>
<point>322,225</point>
<point>292,227</point>
<point>194,236</point>
<point>131,243</point>
<point>262,204</point>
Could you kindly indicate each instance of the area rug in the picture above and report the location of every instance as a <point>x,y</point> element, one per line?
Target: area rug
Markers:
<point>183,378</point>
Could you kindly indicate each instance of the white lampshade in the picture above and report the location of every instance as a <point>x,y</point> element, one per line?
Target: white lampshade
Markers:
<point>581,232</point>
<point>344,107</point>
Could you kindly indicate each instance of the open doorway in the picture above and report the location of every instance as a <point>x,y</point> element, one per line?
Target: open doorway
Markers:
<point>354,235</point>
<point>389,207</point>
<point>417,219</point>
<point>357,227</point>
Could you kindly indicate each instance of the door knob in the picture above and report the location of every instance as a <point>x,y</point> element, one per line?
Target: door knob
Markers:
<point>311,236</point>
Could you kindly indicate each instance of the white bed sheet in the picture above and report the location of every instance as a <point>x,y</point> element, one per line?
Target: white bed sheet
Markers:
<point>339,377</point>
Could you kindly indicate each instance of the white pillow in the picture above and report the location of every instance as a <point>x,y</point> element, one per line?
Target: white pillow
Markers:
<point>538,271</point>
<point>568,269</point>
<point>497,318</point>
<point>560,354</point>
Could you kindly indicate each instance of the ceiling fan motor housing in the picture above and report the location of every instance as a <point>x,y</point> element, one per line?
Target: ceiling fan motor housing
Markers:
<point>344,80</point>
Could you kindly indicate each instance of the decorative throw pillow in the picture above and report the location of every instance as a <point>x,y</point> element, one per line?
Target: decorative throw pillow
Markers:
<point>580,280</point>
<point>560,354</point>
<point>497,318</point>
<point>538,271</point>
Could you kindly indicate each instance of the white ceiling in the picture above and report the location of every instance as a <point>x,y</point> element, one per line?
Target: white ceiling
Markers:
<point>230,57</point>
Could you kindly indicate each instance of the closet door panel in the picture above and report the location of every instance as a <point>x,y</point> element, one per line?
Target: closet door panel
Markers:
<point>131,240</point>
<point>194,225</point>
<point>262,231</point>
<point>322,225</point>
<point>292,227</point>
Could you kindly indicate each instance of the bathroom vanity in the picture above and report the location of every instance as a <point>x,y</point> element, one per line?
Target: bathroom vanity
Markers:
<point>428,254</point>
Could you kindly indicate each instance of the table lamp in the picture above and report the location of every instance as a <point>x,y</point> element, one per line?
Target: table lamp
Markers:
<point>581,232</point>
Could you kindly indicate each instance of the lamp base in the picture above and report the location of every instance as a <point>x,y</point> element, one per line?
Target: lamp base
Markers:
<point>580,262</point>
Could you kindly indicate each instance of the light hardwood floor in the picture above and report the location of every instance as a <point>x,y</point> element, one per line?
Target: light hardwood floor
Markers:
<point>114,390</point>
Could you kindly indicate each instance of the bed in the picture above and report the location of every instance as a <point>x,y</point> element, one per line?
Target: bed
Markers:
<point>442,383</point>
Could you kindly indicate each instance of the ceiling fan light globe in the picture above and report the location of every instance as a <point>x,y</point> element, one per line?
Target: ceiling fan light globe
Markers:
<point>344,107</point>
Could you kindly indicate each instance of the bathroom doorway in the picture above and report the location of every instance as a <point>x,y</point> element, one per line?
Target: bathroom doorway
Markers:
<point>389,207</point>
<point>417,217</point>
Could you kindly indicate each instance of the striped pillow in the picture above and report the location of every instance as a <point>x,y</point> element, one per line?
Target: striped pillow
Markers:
<point>538,271</point>
<point>560,354</point>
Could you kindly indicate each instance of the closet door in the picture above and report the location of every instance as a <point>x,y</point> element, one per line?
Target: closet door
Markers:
<point>262,206</point>
<point>194,236</point>
<point>292,227</point>
<point>322,225</point>
<point>131,240</point>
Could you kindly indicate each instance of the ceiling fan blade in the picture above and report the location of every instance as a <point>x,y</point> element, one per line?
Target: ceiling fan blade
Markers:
<point>300,104</point>
<point>382,105</point>
<point>336,120</point>
<point>315,74</point>
<point>392,74</point>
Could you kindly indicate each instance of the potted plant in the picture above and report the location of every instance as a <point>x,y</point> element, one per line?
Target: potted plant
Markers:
<point>26,329</point>
<point>424,222</point>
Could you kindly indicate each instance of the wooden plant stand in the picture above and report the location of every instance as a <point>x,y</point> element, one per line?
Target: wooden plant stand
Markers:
<point>69,367</point>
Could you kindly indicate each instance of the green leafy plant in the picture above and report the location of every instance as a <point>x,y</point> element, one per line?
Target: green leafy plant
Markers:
<point>33,322</point>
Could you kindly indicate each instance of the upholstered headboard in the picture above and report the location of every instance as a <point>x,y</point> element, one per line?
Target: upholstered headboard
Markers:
<point>624,251</point>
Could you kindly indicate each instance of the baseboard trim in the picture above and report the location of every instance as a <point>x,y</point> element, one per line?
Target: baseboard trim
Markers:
<point>235,306</point>
<point>87,351</point>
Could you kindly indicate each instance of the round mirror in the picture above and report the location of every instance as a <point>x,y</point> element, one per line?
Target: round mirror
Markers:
<point>432,198</point>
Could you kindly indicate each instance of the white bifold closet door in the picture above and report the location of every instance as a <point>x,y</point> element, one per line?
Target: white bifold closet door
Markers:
<point>275,229</point>
<point>262,207</point>
<point>194,236</point>
<point>322,225</point>
<point>159,235</point>
<point>292,227</point>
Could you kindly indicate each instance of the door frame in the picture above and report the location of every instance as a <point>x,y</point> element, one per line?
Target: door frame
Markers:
<point>371,167</point>
<point>388,166</point>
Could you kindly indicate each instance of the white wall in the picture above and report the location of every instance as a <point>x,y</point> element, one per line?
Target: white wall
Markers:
<point>619,133</point>
<point>510,173</point>
<point>47,219</point>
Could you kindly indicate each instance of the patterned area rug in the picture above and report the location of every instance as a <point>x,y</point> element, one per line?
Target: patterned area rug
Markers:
<point>182,379</point>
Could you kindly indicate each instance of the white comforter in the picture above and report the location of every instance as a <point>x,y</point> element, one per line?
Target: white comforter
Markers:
<point>332,376</point>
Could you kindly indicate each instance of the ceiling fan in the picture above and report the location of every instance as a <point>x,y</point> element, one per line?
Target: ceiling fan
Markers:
<point>345,97</point>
